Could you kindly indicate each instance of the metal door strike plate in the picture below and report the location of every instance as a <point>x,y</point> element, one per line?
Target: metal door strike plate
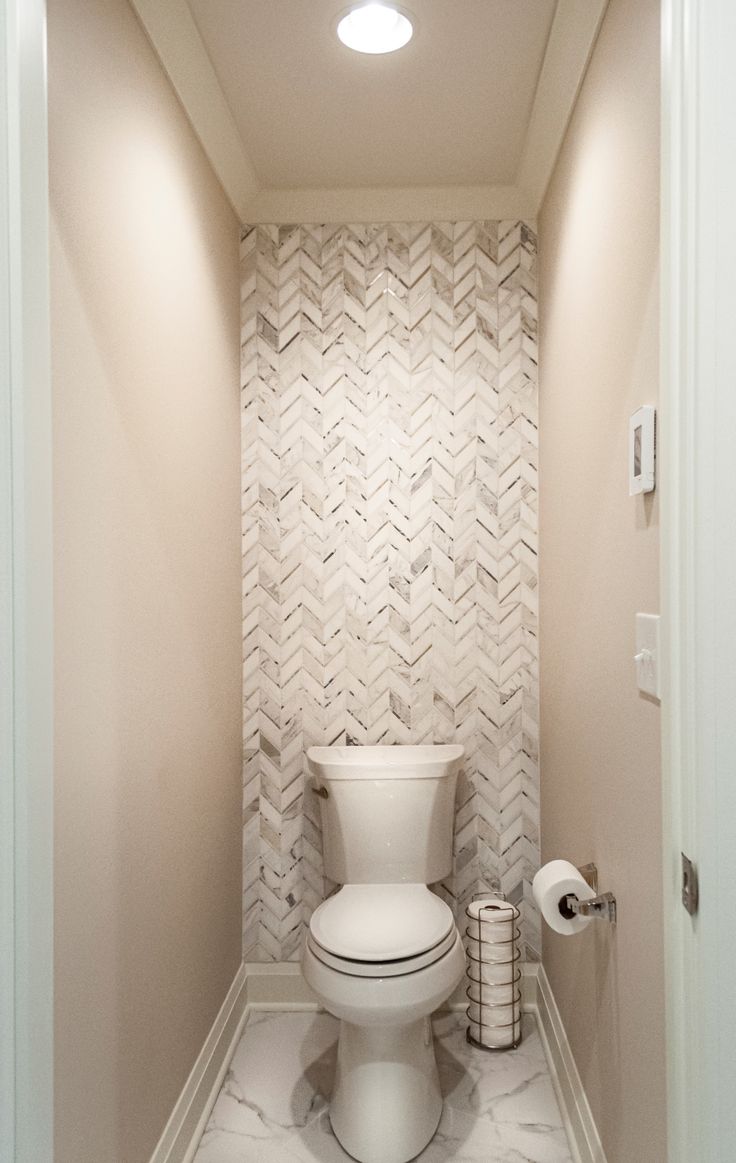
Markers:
<point>689,885</point>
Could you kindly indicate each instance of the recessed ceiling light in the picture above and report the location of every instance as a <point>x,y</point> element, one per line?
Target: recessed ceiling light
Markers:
<point>375,28</point>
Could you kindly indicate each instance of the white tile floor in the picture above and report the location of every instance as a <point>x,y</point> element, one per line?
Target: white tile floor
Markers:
<point>499,1108</point>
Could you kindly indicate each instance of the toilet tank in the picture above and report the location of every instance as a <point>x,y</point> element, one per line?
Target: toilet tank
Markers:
<point>387,812</point>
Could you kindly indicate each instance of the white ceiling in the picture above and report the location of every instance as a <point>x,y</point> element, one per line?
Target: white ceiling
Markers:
<point>465,121</point>
<point>451,108</point>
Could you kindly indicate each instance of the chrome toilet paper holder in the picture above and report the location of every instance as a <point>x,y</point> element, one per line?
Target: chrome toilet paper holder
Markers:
<point>602,905</point>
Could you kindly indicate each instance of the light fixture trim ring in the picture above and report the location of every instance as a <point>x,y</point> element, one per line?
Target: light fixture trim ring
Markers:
<point>398,9</point>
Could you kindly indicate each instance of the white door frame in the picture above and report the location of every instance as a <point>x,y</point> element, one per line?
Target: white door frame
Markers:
<point>698,414</point>
<point>698,411</point>
<point>26,790</point>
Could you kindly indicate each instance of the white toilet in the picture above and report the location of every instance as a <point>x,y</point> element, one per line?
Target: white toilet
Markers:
<point>384,951</point>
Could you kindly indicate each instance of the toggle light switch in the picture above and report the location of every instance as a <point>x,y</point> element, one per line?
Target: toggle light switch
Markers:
<point>647,654</point>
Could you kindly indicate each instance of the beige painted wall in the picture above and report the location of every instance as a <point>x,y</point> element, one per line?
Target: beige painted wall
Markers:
<point>145,305</point>
<point>599,565</point>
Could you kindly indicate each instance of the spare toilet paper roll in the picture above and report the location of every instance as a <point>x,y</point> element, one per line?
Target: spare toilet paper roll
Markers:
<point>501,1039</point>
<point>491,1016</point>
<point>487,951</point>
<point>551,885</point>
<point>494,972</point>
<point>492,995</point>
<point>492,919</point>
<point>496,1039</point>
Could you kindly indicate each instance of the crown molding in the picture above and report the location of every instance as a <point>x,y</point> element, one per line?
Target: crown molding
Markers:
<point>175,37</point>
<point>388,204</point>
<point>170,27</point>
<point>571,41</point>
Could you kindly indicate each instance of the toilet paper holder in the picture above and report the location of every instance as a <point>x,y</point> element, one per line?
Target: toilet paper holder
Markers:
<point>602,905</point>
<point>483,1031</point>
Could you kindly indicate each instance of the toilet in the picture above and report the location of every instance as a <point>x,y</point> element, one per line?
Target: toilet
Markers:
<point>384,952</point>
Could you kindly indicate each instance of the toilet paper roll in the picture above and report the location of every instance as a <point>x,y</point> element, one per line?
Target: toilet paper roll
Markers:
<point>486,951</point>
<point>494,1039</point>
<point>493,995</point>
<point>551,885</point>
<point>491,919</point>
<point>494,972</point>
<point>499,1016</point>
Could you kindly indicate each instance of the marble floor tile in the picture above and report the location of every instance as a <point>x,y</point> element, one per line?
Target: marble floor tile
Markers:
<point>273,1106</point>
<point>278,1081</point>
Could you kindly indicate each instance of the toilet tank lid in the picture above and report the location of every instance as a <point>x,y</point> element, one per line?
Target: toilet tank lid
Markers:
<point>381,922</point>
<point>396,761</point>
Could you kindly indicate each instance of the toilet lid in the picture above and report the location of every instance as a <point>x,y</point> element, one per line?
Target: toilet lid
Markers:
<point>381,922</point>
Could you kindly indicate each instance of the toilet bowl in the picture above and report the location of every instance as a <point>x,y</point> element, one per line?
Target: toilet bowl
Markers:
<point>384,952</point>
<point>386,1101</point>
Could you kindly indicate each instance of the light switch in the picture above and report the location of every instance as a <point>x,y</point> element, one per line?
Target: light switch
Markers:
<point>647,654</point>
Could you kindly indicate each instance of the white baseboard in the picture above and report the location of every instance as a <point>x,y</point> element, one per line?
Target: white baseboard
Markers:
<point>580,1125</point>
<point>279,985</point>
<point>181,1135</point>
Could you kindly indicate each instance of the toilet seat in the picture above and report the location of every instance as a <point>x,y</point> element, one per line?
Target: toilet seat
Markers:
<point>377,930</point>
<point>375,969</point>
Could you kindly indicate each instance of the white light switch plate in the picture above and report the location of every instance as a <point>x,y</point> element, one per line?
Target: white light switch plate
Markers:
<point>647,654</point>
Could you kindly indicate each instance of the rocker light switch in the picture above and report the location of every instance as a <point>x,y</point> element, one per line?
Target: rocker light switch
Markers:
<point>647,654</point>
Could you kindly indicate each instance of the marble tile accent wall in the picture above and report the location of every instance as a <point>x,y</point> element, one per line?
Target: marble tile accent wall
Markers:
<point>389,416</point>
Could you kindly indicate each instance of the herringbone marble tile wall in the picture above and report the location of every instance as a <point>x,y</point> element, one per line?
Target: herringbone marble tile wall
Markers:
<point>390,539</point>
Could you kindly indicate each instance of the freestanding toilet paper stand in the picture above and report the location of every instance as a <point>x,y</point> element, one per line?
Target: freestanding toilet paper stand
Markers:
<point>602,906</point>
<point>494,975</point>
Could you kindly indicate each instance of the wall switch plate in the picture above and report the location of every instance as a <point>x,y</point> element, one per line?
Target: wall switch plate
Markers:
<point>647,654</point>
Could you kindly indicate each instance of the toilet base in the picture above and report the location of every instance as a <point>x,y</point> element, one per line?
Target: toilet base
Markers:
<point>386,1101</point>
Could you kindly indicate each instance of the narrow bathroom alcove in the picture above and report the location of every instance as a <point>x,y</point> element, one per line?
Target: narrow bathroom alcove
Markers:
<point>344,349</point>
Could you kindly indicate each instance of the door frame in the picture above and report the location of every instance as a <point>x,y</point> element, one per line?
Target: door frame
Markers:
<point>697,411</point>
<point>698,567</point>
<point>26,706</point>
